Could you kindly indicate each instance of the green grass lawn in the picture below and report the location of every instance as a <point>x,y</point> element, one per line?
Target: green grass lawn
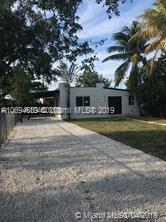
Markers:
<point>150,138</point>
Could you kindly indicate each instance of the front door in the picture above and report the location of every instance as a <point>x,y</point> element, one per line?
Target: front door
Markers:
<point>116,102</point>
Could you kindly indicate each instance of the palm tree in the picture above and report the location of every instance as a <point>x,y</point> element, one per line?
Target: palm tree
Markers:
<point>132,53</point>
<point>67,74</point>
<point>154,27</point>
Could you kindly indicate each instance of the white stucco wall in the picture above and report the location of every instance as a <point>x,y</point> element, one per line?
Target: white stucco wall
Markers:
<point>63,95</point>
<point>98,99</point>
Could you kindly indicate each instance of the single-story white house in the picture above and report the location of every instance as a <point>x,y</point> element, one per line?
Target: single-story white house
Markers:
<point>94,102</point>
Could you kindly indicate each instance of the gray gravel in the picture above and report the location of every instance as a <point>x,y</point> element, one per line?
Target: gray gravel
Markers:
<point>56,171</point>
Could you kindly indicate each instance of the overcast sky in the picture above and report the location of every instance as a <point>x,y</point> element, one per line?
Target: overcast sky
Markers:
<point>97,26</point>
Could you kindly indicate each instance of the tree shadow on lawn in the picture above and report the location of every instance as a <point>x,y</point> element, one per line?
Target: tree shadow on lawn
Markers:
<point>152,142</point>
<point>100,119</point>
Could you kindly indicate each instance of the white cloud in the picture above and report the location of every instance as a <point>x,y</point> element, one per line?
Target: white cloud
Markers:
<point>88,15</point>
<point>104,28</point>
<point>96,23</point>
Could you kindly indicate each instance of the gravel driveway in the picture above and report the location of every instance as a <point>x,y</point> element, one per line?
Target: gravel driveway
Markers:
<point>58,172</point>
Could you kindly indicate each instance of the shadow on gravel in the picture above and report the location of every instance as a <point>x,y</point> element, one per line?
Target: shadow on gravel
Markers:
<point>123,193</point>
<point>53,153</point>
<point>101,177</point>
<point>37,121</point>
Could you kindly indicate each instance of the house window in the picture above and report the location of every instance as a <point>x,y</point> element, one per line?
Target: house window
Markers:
<point>82,101</point>
<point>131,100</point>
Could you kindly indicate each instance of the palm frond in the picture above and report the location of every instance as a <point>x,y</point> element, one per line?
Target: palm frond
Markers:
<point>126,30</point>
<point>135,27</point>
<point>121,72</point>
<point>57,72</point>
<point>149,14</point>
<point>127,51</point>
<point>150,32</point>
<point>73,71</point>
<point>116,49</point>
<point>154,21</point>
<point>163,45</point>
<point>143,35</point>
<point>120,36</point>
<point>122,56</point>
<point>151,47</point>
<point>153,59</point>
<point>135,38</point>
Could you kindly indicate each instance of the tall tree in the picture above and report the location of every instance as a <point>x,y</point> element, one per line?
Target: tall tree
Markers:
<point>67,74</point>
<point>132,53</point>
<point>89,79</point>
<point>35,35</point>
<point>33,31</point>
<point>154,28</point>
<point>21,87</point>
<point>151,92</point>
